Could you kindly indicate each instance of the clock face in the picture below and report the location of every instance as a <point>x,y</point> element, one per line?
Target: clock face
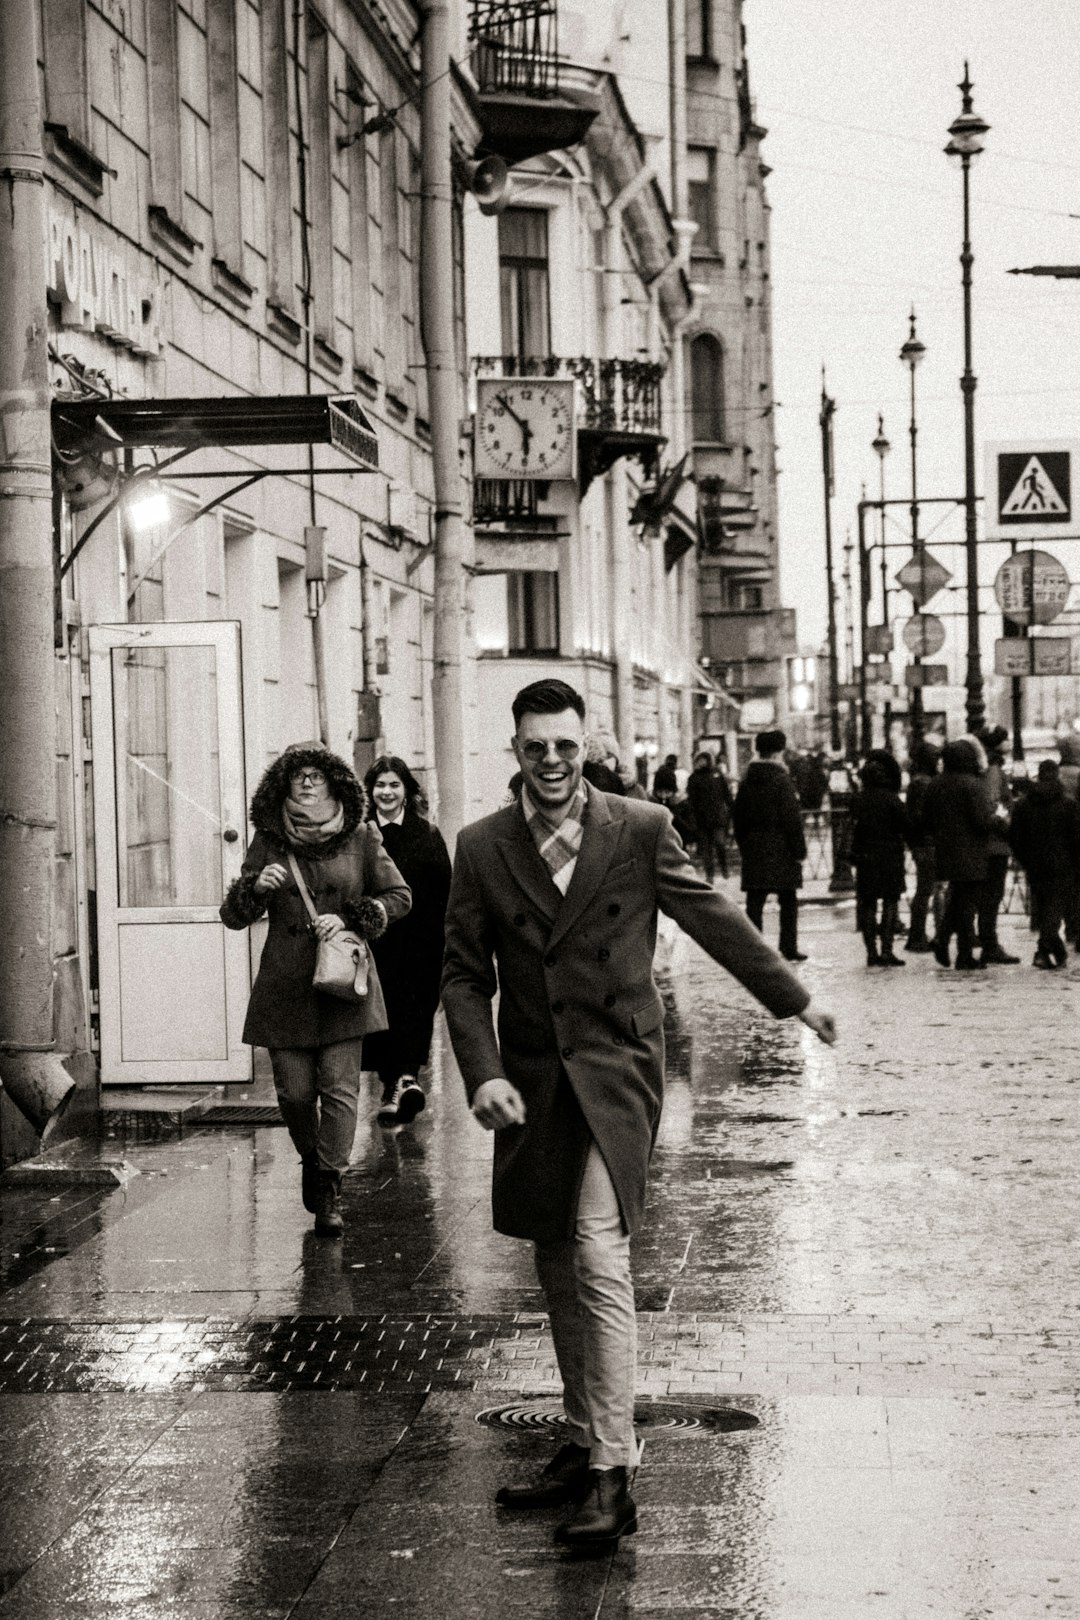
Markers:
<point>525,428</point>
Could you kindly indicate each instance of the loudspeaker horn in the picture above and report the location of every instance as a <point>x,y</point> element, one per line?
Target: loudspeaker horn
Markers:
<point>491,185</point>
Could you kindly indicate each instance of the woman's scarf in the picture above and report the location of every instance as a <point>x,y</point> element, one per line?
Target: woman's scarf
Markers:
<point>312,823</point>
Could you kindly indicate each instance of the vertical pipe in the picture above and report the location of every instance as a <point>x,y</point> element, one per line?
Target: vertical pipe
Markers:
<point>29,1065</point>
<point>976,708</point>
<point>677,105</point>
<point>828,406</point>
<point>618,518</point>
<point>437,329</point>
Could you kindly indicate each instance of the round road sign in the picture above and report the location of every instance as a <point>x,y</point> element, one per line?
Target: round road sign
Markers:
<point>924,635</point>
<point>1032,587</point>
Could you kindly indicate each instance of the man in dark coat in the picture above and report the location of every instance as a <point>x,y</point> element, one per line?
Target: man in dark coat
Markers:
<point>554,905</point>
<point>959,816</point>
<point>997,849</point>
<point>769,833</point>
<point>710,805</point>
<point>1045,837</point>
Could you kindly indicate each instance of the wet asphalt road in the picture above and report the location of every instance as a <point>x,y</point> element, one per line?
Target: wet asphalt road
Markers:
<point>868,1250</point>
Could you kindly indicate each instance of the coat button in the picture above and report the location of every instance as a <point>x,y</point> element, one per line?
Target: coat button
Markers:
<point>614,909</point>
<point>519,920</point>
<point>609,1000</point>
<point>603,954</point>
<point>568,1052</point>
<point>557,1007</point>
<point>550,959</point>
<point>618,1040</point>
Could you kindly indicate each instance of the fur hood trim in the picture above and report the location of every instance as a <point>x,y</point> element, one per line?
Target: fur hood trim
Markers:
<point>273,790</point>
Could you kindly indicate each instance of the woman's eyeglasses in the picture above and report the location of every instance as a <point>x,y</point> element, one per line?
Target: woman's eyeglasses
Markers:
<point>566,748</point>
<point>311,778</point>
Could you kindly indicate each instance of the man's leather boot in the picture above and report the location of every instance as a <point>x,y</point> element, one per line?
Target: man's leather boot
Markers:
<point>606,1513</point>
<point>563,1480</point>
<point>329,1221</point>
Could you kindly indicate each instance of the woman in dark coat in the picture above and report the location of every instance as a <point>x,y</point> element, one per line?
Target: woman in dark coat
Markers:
<point>878,836</point>
<point>409,957</point>
<point>309,804</point>
<point>958,815</point>
<point>924,767</point>
<point>768,828</point>
<point>1045,838</point>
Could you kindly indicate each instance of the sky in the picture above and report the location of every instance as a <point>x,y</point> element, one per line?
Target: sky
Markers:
<point>857,96</point>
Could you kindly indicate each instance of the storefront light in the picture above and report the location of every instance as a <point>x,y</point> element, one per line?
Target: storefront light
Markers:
<point>800,698</point>
<point>149,509</point>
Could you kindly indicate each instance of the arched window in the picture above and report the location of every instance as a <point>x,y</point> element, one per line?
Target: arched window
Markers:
<point>707,389</point>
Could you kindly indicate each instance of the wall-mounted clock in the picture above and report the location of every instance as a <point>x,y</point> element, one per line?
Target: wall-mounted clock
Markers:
<point>525,428</point>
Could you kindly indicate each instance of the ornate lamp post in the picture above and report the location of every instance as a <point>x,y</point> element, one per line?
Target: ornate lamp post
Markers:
<point>966,140</point>
<point>881,447</point>
<point>912,354</point>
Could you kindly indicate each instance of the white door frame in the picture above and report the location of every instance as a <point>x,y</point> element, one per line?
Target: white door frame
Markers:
<point>117,925</point>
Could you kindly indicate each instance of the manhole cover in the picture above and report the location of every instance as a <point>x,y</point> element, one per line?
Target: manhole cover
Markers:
<point>242,1114</point>
<point>658,1416</point>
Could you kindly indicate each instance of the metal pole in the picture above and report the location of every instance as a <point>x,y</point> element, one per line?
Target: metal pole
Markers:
<point>917,725</point>
<point>851,727</point>
<point>437,328</point>
<point>828,407</point>
<point>864,621</point>
<point>887,717</point>
<point>30,1067</point>
<point>976,708</point>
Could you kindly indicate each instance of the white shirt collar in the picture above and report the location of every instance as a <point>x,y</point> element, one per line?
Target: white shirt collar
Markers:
<point>387,821</point>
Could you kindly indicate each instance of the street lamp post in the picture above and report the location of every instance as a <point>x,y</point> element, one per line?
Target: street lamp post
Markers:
<point>912,354</point>
<point>828,408</point>
<point>881,447</point>
<point>966,134</point>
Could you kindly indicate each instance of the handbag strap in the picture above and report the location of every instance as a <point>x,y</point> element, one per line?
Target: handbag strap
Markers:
<point>305,892</point>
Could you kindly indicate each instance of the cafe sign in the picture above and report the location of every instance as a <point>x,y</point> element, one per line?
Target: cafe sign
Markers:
<point>93,281</point>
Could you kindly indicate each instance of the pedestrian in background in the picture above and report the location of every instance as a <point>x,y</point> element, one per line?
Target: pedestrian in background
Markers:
<point>1069,749</point>
<point>409,955</point>
<point>997,849</point>
<point>925,760</point>
<point>310,806</point>
<point>769,832</point>
<point>959,816</point>
<point>554,907</point>
<point>665,783</point>
<point>602,765</point>
<point>709,796</point>
<point>1045,837</point>
<point>879,836</point>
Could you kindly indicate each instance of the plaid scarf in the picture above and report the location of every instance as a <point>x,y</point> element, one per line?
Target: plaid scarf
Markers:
<point>559,845</point>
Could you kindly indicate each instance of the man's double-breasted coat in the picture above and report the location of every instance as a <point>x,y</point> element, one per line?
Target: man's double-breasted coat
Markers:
<point>580,1022</point>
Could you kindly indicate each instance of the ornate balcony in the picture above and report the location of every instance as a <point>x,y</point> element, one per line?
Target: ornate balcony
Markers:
<point>728,524</point>
<point>619,411</point>
<point>524,108</point>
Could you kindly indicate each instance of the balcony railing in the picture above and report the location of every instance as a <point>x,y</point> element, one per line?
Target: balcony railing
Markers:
<point>507,500</point>
<point>618,397</point>
<point>515,46</point>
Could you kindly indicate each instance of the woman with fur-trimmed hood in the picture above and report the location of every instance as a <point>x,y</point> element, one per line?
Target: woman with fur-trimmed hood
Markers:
<point>310,803</point>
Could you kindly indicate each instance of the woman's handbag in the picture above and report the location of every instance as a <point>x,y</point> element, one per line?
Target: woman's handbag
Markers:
<point>341,962</point>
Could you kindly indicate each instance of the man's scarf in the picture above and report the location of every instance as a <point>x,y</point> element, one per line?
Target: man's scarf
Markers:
<point>312,823</point>
<point>559,846</point>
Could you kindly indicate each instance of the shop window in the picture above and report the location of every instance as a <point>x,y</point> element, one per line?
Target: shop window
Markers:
<point>524,283</point>
<point>707,389</point>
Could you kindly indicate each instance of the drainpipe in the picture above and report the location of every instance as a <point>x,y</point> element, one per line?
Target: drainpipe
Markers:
<point>30,1067</point>
<point>437,331</point>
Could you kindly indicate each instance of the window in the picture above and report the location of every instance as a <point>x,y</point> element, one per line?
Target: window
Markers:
<point>701,195</point>
<point>165,170</point>
<point>699,29</point>
<point>748,598</point>
<point>523,283</point>
<point>707,389</point>
<point>317,131</point>
<point>192,57</point>
<point>225,132</point>
<point>360,243</point>
<point>390,220</point>
<point>281,288</point>
<point>517,612</point>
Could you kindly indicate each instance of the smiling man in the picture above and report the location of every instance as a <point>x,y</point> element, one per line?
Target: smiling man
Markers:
<point>554,904</point>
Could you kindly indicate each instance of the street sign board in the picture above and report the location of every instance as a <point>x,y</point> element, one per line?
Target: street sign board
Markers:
<point>926,675</point>
<point>1037,655</point>
<point>922,576</point>
<point>1032,587</point>
<point>924,635</point>
<point>878,640</point>
<point>1029,488</point>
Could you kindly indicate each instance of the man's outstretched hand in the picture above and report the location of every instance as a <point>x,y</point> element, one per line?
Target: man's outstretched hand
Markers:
<point>497,1104</point>
<point>821,1021</point>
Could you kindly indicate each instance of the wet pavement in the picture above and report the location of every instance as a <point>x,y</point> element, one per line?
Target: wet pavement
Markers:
<point>860,1342</point>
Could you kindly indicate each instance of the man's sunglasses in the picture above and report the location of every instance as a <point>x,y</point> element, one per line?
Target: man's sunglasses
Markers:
<point>566,748</point>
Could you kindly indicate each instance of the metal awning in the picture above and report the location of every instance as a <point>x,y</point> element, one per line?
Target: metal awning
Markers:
<point>709,684</point>
<point>336,419</point>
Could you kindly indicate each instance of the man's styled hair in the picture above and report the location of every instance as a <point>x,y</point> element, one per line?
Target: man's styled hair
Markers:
<point>547,697</point>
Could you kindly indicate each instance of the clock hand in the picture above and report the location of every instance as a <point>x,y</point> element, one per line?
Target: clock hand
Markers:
<point>526,440</point>
<point>501,399</point>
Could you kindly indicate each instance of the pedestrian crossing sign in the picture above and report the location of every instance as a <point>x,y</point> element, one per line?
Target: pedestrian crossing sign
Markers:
<point>1029,490</point>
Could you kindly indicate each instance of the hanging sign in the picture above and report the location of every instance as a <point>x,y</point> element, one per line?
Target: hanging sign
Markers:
<point>1032,587</point>
<point>879,640</point>
<point>924,635</point>
<point>926,675</point>
<point>922,576</point>
<point>1029,489</point>
<point>1035,655</point>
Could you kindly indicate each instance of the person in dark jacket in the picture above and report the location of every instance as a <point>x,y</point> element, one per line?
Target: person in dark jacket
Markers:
<point>769,832</point>
<point>409,955</point>
<point>310,805</point>
<point>997,849</point>
<point>879,835</point>
<point>959,816</point>
<point>925,760</point>
<point>665,783</point>
<point>1069,749</point>
<point>1045,838</point>
<point>709,797</point>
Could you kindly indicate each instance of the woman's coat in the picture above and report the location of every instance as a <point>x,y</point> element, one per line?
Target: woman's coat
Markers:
<point>769,828</point>
<point>958,814</point>
<point>580,1023</point>
<point>409,955</point>
<point>343,876</point>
